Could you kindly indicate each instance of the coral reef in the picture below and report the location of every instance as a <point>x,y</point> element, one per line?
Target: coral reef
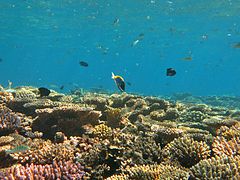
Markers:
<point>116,136</point>
<point>186,151</point>
<point>219,167</point>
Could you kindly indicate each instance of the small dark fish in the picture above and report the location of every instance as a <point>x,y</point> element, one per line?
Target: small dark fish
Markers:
<point>44,91</point>
<point>83,63</point>
<point>116,21</point>
<point>189,58</point>
<point>119,81</point>
<point>171,72</point>
<point>236,45</point>
<point>61,87</point>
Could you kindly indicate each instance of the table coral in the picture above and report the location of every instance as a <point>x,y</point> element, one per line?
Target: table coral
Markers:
<point>186,151</point>
<point>219,167</point>
<point>56,170</point>
<point>67,119</point>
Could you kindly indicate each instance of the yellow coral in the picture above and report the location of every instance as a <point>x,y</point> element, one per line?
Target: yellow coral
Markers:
<point>102,131</point>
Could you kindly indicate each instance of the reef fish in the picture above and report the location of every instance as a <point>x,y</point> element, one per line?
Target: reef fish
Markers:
<point>119,81</point>
<point>17,149</point>
<point>171,72</point>
<point>83,63</point>
<point>44,91</point>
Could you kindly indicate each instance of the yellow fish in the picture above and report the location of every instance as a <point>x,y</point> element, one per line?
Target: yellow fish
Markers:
<point>119,81</point>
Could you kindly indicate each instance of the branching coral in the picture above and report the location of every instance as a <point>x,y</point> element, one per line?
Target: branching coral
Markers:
<point>56,170</point>
<point>113,117</point>
<point>219,167</point>
<point>6,97</point>
<point>186,151</point>
<point>152,172</point>
<point>42,152</point>
<point>10,121</point>
<point>229,132</point>
<point>223,147</point>
<point>102,131</point>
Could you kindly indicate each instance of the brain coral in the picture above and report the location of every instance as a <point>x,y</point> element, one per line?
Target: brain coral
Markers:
<point>219,167</point>
<point>186,151</point>
<point>152,172</point>
<point>56,170</point>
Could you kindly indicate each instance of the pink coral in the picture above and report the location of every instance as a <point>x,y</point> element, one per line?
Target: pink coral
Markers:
<point>56,170</point>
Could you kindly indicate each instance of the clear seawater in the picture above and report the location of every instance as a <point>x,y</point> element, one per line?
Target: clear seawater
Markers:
<point>42,42</point>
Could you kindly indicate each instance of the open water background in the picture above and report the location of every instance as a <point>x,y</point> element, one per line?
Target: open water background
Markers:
<point>42,42</point>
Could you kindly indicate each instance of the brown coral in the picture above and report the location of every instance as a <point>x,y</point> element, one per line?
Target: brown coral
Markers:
<point>152,172</point>
<point>186,151</point>
<point>231,147</point>
<point>219,167</point>
<point>67,119</point>
<point>10,121</point>
<point>6,97</point>
<point>229,132</point>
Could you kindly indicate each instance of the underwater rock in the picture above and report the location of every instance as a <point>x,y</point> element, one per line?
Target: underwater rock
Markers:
<point>219,167</point>
<point>186,151</point>
<point>56,170</point>
<point>67,119</point>
<point>152,172</point>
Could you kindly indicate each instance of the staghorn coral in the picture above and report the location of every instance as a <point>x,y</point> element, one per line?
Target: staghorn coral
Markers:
<point>229,132</point>
<point>67,119</point>
<point>221,146</point>
<point>56,170</point>
<point>219,167</point>
<point>186,151</point>
<point>152,172</point>
<point>5,140</point>
<point>6,97</point>
<point>102,131</point>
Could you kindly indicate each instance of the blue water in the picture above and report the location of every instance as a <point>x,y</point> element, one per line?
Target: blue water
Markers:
<point>42,42</point>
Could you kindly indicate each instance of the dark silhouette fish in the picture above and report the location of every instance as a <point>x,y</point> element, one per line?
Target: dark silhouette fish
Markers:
<point>119,81</point>
<point>171,72</point>
<point>83,63</point>
<point>44,91</point>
